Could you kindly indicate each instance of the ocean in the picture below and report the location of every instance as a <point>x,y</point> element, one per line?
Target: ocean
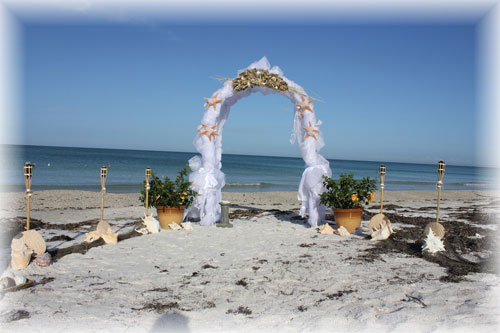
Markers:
<point>79,168</point>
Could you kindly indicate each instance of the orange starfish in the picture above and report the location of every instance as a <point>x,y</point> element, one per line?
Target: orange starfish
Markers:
<point>208,131</point>
<point>305,105</point>
<point>213,101</point>
<point>311,130</point>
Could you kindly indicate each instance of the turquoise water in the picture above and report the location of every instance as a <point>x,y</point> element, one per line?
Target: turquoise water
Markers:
<point>78,168</point>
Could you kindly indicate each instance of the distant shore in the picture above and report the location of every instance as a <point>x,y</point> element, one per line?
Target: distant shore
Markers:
<point>66,199</point>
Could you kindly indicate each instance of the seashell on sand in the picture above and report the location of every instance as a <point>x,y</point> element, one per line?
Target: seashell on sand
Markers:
<point>34,241</point>
<point>377,221</point>
<point>325,229</point>
<point>43,260</point>
<point>187,226</point>
<point>174,226</point>
<point>20,254</point>
<point>103,227</point>
<point>381,227</point>
<point>92,236</point>
<point>437,229</point>
<point>110,237</point>
<point>343,231</point>
<point>152,224</point>
<point>432,243</point>
<point>381,234</point>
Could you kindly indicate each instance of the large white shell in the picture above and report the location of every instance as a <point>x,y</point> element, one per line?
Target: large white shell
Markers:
<point>103,227</point>
<point>110,237</point>
<point>381,227</point>
<point>326,229</point>
<point>187,226</point>
<point>432,243</point>
<point>21,254</point>
<point>34,241</point>
<point>151,224</point>
<point>378,221</point>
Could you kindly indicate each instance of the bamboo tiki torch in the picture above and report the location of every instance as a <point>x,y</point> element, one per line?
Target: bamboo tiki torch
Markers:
<point>148,177</point>
<point>439,185</point>
<point>28,176</point>
<point>104,175</point>
<point>382,181</point>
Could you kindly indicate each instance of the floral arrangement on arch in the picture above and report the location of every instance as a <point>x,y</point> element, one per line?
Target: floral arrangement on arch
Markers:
<point>347,192</point>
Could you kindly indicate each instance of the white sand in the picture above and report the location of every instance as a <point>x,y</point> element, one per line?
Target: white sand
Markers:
<point>322,285</point>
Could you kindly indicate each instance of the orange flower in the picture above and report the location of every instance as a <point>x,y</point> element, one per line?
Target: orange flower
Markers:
<point>372,197</point>
<point>182,195</point>
<point>354,197</point>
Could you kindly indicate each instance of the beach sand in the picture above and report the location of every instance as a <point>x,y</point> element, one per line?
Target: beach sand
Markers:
<point>270,272</point>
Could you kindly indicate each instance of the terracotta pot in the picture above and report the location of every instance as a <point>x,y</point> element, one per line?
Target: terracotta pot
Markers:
<point>167,215</point>
<point>348,218</point>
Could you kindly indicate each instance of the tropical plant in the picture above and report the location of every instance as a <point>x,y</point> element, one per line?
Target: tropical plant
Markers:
<point>347,192</point>
<point>168,193</point>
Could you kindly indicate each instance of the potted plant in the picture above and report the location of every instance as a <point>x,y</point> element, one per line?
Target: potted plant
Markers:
<point>346,196</point>
<point>169,197</point>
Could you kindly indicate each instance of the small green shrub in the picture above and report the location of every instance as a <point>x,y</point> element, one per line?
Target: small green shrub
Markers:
<point>169,193</point>
<point>347,192</point>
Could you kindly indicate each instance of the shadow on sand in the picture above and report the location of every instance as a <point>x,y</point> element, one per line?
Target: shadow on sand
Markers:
<point>171,322</point>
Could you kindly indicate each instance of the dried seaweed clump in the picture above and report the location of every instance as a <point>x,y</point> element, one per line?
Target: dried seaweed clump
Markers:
<point>259,77</point>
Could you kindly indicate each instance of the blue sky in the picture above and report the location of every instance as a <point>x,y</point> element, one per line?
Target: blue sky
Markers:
<point>390,92</point>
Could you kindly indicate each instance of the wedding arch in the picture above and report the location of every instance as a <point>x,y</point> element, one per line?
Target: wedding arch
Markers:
<point>207,177</point>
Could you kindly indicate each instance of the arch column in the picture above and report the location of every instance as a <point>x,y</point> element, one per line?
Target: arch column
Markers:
<point>207,177</point>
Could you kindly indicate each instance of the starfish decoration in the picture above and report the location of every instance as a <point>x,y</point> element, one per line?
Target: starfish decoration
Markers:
<point>305,105</point>
<point>213,101</point>
<point>208,131</point>
<point>311,130</point>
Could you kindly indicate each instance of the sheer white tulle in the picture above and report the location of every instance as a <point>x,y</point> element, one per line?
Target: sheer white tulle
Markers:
<point>207,177</point>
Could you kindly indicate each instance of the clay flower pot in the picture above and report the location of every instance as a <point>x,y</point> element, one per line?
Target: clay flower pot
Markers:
<point>167,215</point>
<point>348,218</point>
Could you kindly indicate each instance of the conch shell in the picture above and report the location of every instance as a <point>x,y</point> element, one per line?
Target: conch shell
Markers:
<point>151,224</point>
<point>437,229</point>
<point>326,229</point>
<point>432,243</point>
<point>34,241</point>
<point>21,254</point>
<point>103,230</point>
<point>381,227</point>
<point>187,226</point>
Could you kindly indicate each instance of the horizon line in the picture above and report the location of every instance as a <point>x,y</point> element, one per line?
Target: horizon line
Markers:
<point>299,157</point>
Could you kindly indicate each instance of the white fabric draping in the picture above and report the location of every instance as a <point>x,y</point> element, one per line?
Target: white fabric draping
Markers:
<point>207,177</point>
